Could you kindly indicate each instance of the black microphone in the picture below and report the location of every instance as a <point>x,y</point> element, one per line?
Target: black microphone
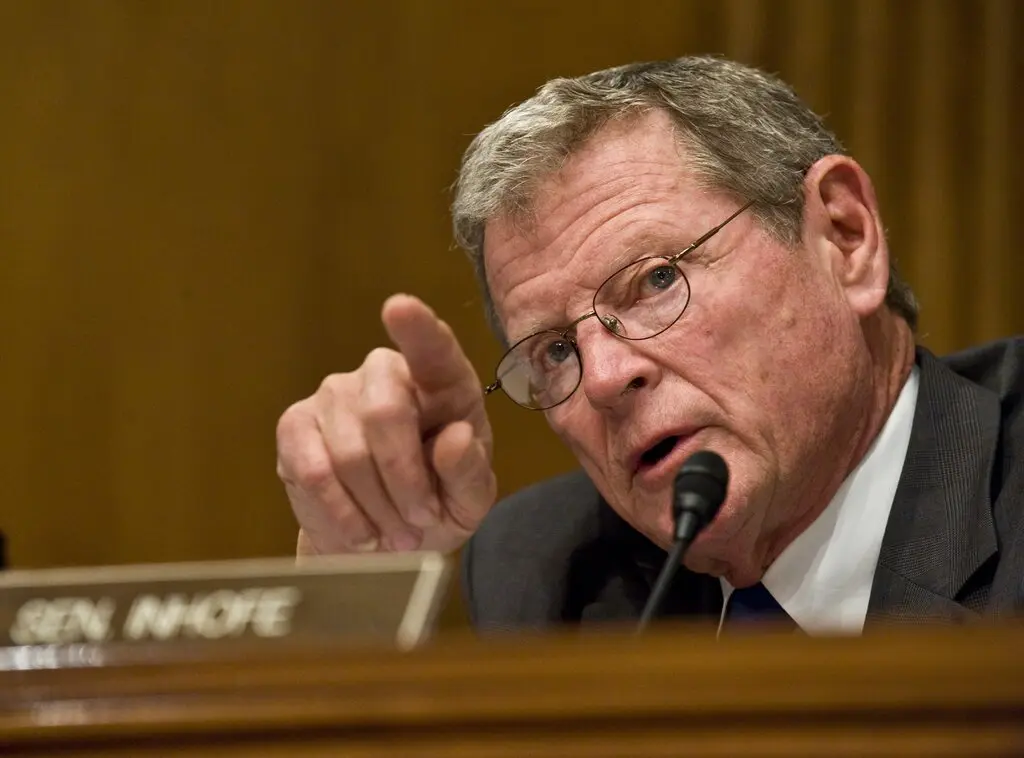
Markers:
<point>697,494</point>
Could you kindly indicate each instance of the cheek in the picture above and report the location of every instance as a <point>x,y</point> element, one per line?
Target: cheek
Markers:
<point>781,348</point>
<point>578,426</point>
<point>755,342</point>
<point>761,318</point>
<point>584,432</point>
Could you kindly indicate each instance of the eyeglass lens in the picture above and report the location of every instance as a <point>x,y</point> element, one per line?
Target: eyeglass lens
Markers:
<point>639,301</point>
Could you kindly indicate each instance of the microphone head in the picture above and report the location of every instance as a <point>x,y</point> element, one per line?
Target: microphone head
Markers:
<point>701,485</point>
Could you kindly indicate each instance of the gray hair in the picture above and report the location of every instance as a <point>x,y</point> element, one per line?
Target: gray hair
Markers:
<point>745,133</point>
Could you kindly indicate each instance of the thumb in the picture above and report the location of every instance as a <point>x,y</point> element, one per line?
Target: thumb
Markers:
<point>463,466</point>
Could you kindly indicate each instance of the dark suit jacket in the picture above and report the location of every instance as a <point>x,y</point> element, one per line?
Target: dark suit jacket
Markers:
<point>953,549</point>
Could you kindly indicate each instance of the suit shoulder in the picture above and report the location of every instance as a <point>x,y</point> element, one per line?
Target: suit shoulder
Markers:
<point>998,366</point>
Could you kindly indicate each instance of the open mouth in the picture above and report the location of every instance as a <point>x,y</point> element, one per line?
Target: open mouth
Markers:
<point>654,455</point>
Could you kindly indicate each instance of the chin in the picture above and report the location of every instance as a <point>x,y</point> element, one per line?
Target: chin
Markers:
<point>723,543</point>
<point>649,515</point>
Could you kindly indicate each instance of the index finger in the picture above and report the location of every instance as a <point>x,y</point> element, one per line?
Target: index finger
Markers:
<point>440,370</point>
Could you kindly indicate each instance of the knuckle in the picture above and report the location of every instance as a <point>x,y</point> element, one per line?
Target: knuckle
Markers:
<point>336,385</point>
<point>348,456</point>
<point>282,470</point>
<point>292,423</point>
<point>296,443</point>
<point>387,406</point>
<point>386,364</point>
<point>384,358</point>
<point>310,473</point>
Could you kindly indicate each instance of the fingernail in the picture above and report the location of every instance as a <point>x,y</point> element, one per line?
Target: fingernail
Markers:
<point>426,513</point>
<point>367,547</point>
<point>423,517</point>
<point>404,541</point>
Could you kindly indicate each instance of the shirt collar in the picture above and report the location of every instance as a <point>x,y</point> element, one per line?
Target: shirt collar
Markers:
<point>823,578</point>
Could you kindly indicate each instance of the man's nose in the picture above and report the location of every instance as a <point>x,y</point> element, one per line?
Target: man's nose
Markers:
<point>614,369</point>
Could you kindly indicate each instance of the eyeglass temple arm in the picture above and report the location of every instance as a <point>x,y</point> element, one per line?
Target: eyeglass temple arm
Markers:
<point>710,233</point>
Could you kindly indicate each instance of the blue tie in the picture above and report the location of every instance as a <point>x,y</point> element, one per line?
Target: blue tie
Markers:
<point>755,604</point>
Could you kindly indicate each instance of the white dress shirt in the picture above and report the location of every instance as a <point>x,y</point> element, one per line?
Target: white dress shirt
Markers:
<point>823,578</point>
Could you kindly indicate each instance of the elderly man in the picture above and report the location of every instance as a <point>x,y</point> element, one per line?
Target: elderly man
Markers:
<point>679,257</point>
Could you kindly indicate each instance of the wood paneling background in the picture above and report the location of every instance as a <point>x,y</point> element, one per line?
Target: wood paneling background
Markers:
<point>203,204</point>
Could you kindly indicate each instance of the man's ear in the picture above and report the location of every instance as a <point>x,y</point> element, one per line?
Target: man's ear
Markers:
<point>841,221</point>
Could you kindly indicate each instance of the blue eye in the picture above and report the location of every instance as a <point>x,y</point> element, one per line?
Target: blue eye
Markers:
<point>662,277</point>
<point>558,351</point>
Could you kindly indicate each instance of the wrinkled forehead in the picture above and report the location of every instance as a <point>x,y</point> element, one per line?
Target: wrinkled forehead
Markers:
<point>627,195</point>
<point>509,243</point>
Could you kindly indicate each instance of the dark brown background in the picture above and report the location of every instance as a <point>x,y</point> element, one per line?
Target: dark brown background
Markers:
<point>203,205</point>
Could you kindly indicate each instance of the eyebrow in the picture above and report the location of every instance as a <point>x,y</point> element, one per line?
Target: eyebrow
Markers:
<point>648,243</point>
<point>644,244</point>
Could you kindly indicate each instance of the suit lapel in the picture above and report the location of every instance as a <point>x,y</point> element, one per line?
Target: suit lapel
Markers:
<point>940,530</point>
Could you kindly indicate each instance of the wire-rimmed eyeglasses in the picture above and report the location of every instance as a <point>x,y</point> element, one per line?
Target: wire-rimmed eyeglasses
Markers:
<point>639,301</point>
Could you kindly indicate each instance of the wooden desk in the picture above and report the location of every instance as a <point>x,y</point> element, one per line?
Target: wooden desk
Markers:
<point>675,692</point>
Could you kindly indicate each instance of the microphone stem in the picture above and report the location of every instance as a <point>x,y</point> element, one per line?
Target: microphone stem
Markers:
<point>664,581</point>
